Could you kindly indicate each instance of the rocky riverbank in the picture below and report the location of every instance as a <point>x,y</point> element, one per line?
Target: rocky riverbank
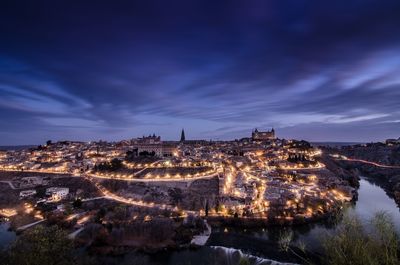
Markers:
<point>387,178</point>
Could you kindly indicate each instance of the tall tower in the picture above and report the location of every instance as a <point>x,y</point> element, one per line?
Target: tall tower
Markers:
<point>183,135</point>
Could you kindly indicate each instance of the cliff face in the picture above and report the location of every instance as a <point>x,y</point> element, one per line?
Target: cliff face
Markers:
<point>387,178</point>
<point>377,152</point>
<point>348,174</point>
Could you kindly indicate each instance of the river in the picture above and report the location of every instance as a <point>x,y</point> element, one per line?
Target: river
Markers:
<point>227,246</point>
<point>6,236</point>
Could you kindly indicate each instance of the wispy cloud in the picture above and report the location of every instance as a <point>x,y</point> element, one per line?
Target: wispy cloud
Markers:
<point>216,69</point>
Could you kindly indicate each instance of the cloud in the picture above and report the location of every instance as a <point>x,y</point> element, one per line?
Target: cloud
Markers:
<point>128,67</point>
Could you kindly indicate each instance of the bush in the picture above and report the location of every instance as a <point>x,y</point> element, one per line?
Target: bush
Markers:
<point>352,244</point>
<point>41,245</point>
<point>77,203</point>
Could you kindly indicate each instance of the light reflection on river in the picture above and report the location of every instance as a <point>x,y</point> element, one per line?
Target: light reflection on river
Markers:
<point>6,237</point>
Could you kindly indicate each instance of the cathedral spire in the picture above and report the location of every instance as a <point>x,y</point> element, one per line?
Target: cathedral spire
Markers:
<point>183,135</point>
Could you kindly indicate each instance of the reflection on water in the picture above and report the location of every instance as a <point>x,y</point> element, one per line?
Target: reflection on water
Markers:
<point>371,199</point>
<point>206,256</point>
<point>231,256</point>
<point>6,237</point>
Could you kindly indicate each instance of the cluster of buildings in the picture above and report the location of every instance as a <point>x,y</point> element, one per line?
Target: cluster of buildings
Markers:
<point>76,157</point>
<point>393,141</point>
<point>263,174</point>
<point>256,175</point>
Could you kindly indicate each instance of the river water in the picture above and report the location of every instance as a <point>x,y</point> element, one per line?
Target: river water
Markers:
<point>227,246</point>
<point>6,236</point>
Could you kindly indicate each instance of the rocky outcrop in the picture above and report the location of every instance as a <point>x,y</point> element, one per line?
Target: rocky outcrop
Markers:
<point>387,178</point>
<point>348,174</point>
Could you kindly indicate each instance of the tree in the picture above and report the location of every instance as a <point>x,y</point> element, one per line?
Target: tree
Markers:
<point>175,195</point>
<point>116,164</point>
<point>99,215</point>
<point>351,243</point>
<point>77,203</point>
<point>244,261</point>
<point>41,245</point>
<point>129,155</point>
<point>40,192</point>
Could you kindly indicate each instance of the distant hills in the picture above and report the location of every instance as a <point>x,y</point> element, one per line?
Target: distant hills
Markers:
<point>335,144</point>
<point>15,147</point>
<point>330,144</point>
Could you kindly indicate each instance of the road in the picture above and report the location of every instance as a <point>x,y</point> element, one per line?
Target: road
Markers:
<point>156,179</point>
<point>319,166</point>
<point>21,228</point>
<point>369,163</point>
<point>9,183</point>
<point>37,171</point>
<point>75,233</point>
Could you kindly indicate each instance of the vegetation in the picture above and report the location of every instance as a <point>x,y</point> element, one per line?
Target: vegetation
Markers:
<point>300,158</point>
<point>113,165</point>
<point>147,154</point>
<point>40,245</point>
<point>176,195</point>
<point>130,155</point>
<point>244,261</point>
<point>77,203</point>
<point>301,145</point>
<point>352,244</point>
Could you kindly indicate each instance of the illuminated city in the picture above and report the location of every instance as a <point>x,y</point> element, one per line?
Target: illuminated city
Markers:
<point>254,177</point>
<point>245,132</point>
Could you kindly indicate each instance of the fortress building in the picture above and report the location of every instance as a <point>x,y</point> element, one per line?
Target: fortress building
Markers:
<point>153,144</point>
<point>263,136</point>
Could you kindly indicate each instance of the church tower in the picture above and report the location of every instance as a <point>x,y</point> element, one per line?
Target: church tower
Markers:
<point>183,135</point>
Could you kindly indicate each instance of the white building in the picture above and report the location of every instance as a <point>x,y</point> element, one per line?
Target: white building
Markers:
<point>31,181</point>
<point>27,193</point>
<point>57,193</point>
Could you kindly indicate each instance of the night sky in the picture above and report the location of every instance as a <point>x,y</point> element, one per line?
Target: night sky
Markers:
<point>112,70</point>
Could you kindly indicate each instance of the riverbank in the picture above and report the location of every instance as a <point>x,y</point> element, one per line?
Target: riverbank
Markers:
<point>387,178</point>
<point>223,221</point>
<point>382,167</point>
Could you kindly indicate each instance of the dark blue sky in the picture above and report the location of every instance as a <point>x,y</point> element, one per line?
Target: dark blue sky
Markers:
<point>89,70</point>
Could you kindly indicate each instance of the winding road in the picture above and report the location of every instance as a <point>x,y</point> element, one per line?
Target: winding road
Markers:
<point>369,163</point>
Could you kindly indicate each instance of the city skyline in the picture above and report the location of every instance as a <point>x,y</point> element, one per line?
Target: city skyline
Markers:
<point>113,71</point>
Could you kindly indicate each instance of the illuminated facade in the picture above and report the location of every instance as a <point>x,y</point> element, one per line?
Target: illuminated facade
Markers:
<point>153,144</point>
<point>263,136</point>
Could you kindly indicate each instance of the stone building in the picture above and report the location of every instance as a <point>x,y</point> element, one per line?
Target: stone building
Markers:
<point>153,143</point>
<point>263,136</point>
